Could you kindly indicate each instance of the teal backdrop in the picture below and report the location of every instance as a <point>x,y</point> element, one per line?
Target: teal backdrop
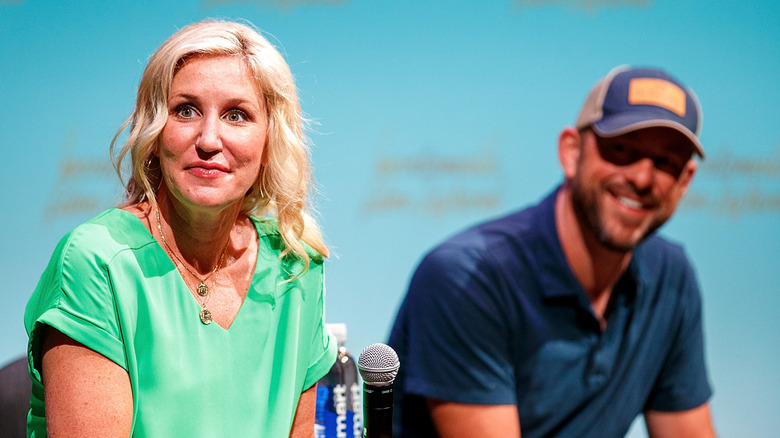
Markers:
<point>427,116</point>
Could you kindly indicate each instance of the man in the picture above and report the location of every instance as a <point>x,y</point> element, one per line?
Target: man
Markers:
<point>571,317</point>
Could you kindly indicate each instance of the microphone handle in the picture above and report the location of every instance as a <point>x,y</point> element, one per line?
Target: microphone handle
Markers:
<point>377,411</point>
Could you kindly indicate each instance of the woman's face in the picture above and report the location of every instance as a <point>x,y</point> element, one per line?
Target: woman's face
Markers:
<point>211,147</point>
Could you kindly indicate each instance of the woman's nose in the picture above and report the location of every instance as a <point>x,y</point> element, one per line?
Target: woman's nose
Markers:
<point>208,138</point>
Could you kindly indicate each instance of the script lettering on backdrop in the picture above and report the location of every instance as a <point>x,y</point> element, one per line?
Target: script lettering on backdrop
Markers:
<point>735,185</point>
<point>84,185</point>
<point>432,183</point>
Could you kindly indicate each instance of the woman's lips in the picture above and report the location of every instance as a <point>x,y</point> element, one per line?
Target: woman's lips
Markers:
<point>207,170</point>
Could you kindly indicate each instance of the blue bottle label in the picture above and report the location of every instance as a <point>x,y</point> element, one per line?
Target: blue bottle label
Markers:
<point>334,417</point>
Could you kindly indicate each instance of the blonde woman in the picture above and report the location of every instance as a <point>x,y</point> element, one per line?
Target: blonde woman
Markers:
<point>196,307</point>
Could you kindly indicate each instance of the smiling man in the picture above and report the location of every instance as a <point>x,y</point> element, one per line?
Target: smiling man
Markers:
<point>572,317</point>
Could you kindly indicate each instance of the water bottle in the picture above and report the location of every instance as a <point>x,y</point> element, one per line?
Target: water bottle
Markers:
<point>339,402</point>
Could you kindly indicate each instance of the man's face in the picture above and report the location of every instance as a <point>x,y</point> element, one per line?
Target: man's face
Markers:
<point>625,187</point>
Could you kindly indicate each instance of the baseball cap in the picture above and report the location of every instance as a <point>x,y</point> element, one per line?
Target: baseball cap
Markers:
<point>628,99</point>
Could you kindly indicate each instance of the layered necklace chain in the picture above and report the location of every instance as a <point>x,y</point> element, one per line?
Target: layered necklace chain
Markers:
<point>202,290</point>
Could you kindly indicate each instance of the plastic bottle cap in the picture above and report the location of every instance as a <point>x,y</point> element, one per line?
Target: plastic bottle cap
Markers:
<point>339,330</point>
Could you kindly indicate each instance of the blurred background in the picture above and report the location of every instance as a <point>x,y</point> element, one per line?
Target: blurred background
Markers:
<point>427,117</point>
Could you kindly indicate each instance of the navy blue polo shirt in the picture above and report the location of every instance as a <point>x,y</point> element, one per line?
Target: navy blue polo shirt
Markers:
<point>494,315</point>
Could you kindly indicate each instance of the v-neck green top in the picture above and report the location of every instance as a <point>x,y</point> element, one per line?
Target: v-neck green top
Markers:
<point>110,286</point>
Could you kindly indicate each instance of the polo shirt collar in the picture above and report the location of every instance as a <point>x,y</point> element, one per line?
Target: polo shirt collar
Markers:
<point>558,280</point>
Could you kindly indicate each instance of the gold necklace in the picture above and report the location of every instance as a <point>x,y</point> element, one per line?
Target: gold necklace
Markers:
<point>202,290</point>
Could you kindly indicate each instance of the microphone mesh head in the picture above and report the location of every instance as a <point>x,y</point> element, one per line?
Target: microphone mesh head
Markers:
<point>378,364</point>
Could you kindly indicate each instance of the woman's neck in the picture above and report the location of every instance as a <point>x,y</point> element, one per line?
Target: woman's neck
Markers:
<point>199,236</point>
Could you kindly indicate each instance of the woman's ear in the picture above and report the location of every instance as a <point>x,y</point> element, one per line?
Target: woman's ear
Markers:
<point>155,148</point>
<point>569,151</point>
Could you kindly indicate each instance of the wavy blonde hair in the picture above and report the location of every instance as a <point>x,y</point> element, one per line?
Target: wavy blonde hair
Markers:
<point>282,186</point>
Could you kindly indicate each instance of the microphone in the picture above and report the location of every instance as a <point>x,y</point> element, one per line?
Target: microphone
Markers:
<point>378,365</point>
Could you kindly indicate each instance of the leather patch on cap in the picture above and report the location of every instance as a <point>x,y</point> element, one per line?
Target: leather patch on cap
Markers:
<point>658,92</point>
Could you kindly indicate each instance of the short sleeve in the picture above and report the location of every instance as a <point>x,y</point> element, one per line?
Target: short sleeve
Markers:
<point>457,349</point>
<point>324,348</point>
<point>74,296</point>
<point>683,382</point>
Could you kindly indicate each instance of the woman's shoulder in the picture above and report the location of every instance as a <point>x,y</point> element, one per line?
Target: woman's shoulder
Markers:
<point>265,225</point>
<point>119,224</point>
<point>268,231</point>
<point>82,257</point>
<point>108,232</point>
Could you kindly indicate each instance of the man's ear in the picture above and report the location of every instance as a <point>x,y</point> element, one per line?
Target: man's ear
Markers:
<point>569,151</point>
<point>686,176</point>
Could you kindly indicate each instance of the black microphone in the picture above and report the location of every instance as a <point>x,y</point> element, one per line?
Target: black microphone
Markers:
<point>378,364</point>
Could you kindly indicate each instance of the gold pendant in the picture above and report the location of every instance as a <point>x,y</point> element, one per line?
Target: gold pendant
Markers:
<point>205,316</point>
<point>203,290</point>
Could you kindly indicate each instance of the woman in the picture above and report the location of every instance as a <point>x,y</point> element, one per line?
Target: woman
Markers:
<point>189,310</point>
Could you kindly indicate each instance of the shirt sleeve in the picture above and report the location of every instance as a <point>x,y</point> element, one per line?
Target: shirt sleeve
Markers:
<point>74,296</point>
<point>683,382</point>
<point>458,348</point>
<point>324,348</point>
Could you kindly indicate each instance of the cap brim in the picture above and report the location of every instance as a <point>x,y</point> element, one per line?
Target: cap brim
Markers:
<point>614,126</point>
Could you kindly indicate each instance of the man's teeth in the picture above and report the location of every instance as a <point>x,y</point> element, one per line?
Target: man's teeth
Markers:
<point>628,202</point>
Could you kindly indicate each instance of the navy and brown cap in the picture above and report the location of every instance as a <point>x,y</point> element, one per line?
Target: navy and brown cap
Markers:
<point>628,99</point>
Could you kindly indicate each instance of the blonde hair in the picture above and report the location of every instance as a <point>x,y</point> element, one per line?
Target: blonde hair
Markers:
<point>285,179</point>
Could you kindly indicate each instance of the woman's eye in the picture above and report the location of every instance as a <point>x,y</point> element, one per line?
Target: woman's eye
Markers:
<point>185,112</point>
<point>236,116</point>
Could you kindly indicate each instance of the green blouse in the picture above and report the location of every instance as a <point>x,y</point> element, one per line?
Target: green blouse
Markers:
<point>111,287</point>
